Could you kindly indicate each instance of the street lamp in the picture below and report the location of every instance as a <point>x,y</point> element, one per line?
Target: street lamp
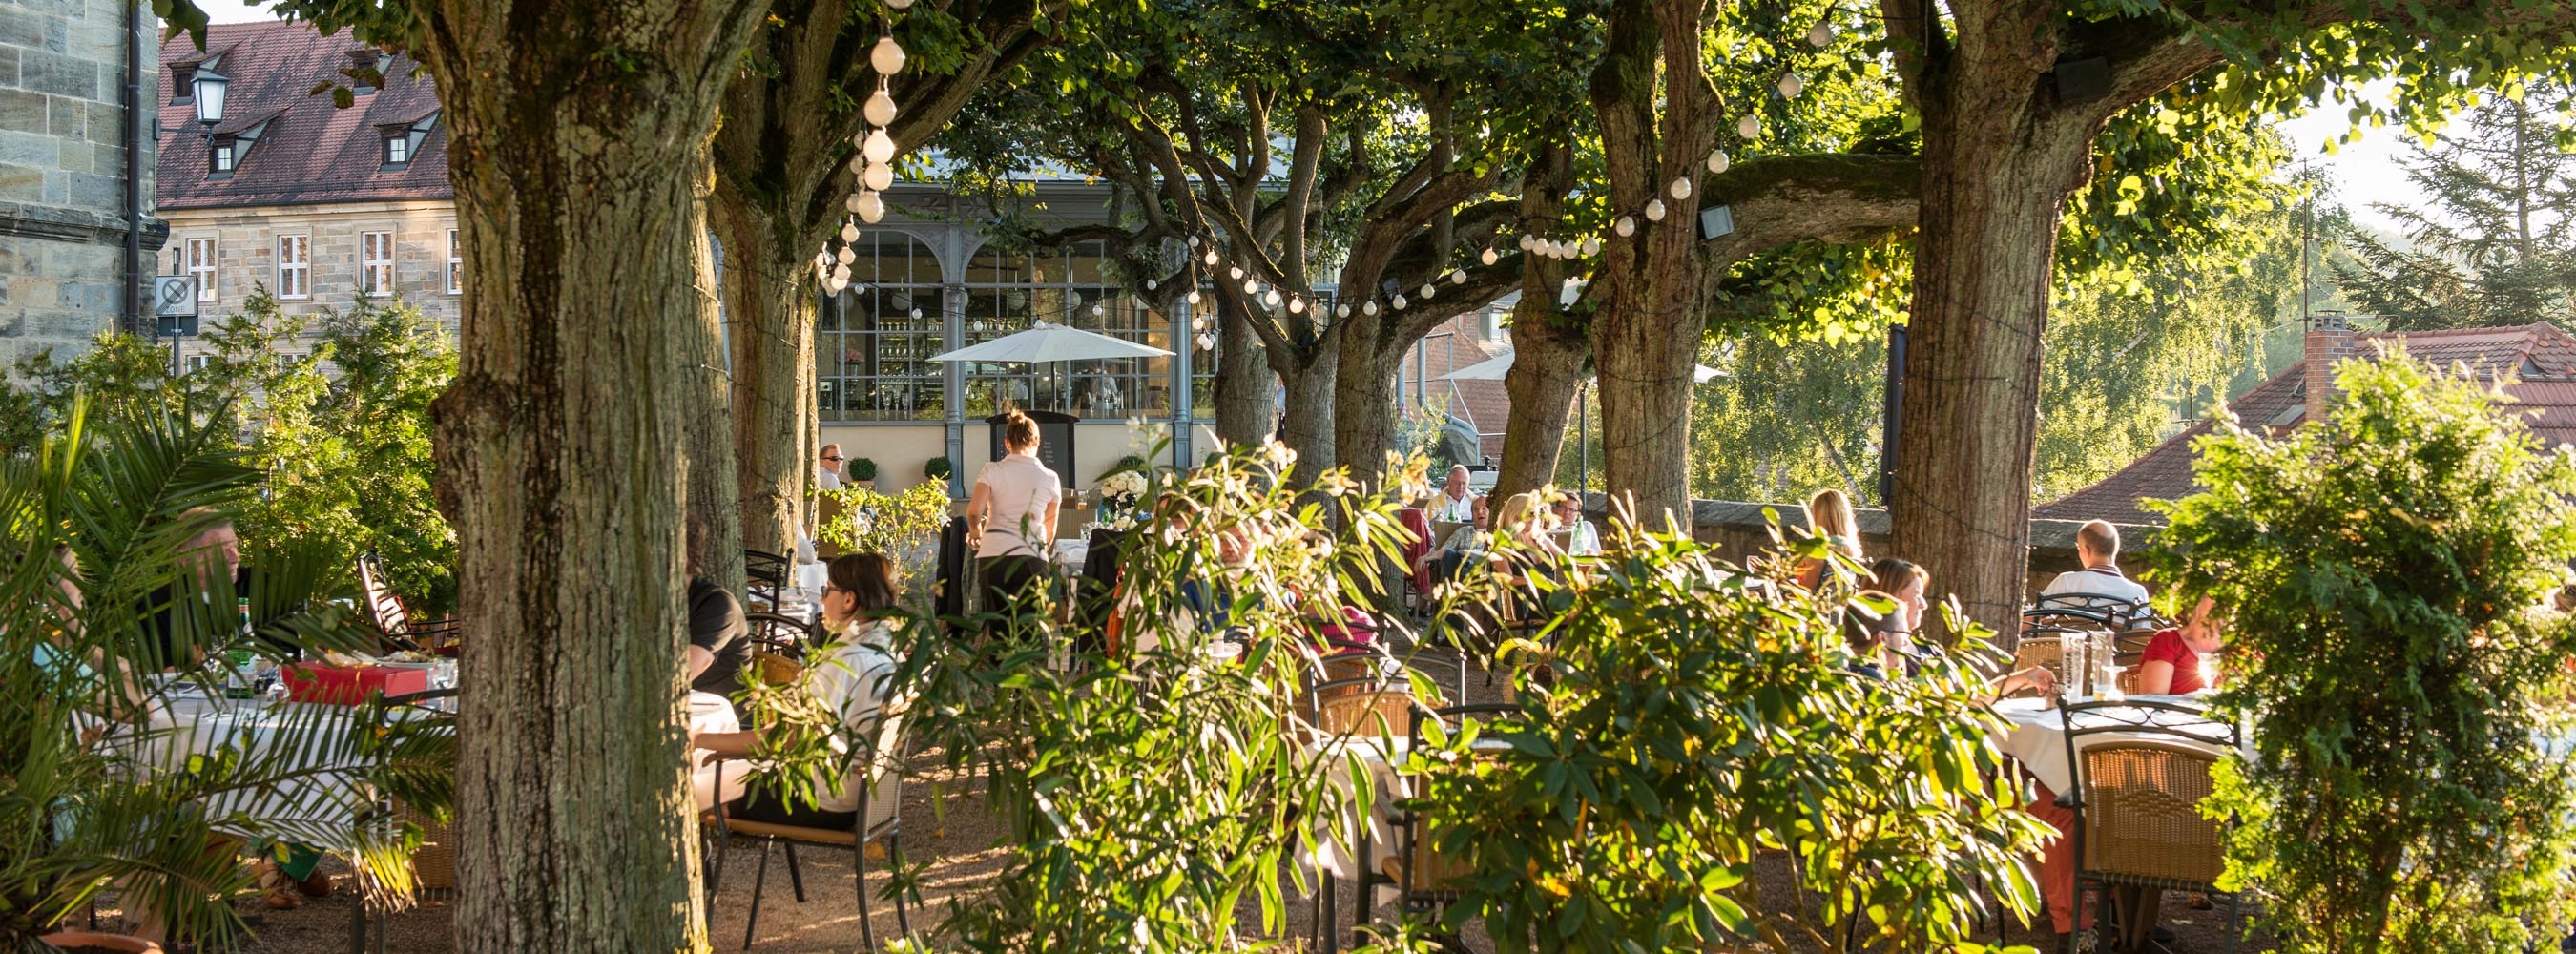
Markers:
<point>208,87</point>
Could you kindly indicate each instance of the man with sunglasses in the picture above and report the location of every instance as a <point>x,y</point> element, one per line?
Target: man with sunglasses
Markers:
<point>827,471</point>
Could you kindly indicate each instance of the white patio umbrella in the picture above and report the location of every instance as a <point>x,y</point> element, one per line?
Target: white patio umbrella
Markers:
<point>1050,343</point>
<point>1047,343</point>
<point>1494,368</point>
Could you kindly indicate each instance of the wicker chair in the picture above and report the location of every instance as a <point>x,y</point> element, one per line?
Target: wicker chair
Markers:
<point>1420,874</point>
<point>2137,820</point>
<point>2046,646</point>
<point>433,864</point>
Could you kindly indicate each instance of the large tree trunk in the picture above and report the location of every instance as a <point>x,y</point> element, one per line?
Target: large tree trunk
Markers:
<point>769,323</point>
<point>1996,173</point>
<point>1243,380</point>
<point>714,518</point>
<point>1547,347</point>
<point>1364,405</point>
<point>1306,412</point>
<point>1647,337</point>
<point>577,209</point>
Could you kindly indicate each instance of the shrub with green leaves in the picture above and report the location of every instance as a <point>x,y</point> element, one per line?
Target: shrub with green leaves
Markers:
<point>2385,572</point>
<point>1684,721</point>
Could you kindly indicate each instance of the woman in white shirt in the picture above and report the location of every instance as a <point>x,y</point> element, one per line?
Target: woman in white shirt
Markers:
<point>1013,514</point>
<point>849,675</point>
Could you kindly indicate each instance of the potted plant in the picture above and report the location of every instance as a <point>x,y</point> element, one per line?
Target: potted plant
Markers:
<point>938,469</point>
<point>101,567</point>
<point>863,473</point>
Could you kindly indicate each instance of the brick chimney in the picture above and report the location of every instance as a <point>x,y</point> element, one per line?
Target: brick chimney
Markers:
<point>2330,339</point>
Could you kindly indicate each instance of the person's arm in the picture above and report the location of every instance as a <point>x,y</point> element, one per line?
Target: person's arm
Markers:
<point>731,745</point>
<point>699,660</point>
<point>2155,677</point>
<point>1046,528</point>
<point>979,508</point>
<point>2035,677</point>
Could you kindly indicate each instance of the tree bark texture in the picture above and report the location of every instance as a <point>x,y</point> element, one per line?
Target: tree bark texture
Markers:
<point>769,294</point>
<point>714,515</point>
<point>1647,337</point>
<point>1548,346</point>
<point>1364,405</point>
<point>576,130</point>
<point>1243,381</point>
<point>1306,412</point>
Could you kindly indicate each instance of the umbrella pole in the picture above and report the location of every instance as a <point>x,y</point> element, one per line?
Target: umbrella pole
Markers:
<point>1583,435</point>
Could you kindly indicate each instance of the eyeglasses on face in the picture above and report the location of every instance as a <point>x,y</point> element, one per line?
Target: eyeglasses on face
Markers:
<point>832,457</point>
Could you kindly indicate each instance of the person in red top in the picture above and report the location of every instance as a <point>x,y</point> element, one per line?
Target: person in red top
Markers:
<point>2171,665</point>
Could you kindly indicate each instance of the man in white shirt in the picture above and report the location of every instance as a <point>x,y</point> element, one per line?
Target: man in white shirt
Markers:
<point>1454,503</point>
<point>827,471</point>
<point>2097,544</point>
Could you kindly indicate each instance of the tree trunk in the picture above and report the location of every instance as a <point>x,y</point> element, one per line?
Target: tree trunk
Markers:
<point>769,323</point>
<point>1243,379</point>
<point>1647,337</point>
<point>1995,179</point>
<point>1364,405</point>
<point>1306,413</point>
<point>1547,347</point>
<point>714,517</point>
<point>581,229</point>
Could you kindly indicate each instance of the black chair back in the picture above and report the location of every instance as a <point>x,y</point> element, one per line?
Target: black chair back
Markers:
<point>949,599</point>
<point>781,635</point>
<point>766,575</point>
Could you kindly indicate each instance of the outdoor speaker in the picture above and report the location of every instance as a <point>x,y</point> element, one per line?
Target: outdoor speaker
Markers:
<point>2080,80</point>
<point>1716,220</point>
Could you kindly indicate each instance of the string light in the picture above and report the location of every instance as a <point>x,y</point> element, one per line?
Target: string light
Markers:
<point>1459,276</point>
<point>1591,245</point>
<point>1681,189</point>
<point>879,110</point>
<point>849,231</point>
<point>1429,290</point>
<point>1211,258</point>
<point>1749,126</point>
<point>1790,84</point>
<point>1654,210</point>
<point>1717,161</point>
<point>871,208</point>
<point>878,177</point>
<point>1489,257</point>
<point>1626,227</point>
<point>1820,35</point>
<point>888,56</point>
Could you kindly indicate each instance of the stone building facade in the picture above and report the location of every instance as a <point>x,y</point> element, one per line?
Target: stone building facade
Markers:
<point>66,215</point>
<point>315,203</point>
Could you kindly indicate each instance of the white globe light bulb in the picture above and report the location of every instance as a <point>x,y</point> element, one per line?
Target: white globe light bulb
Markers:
<point>871,208</point>
<point>1489,257</point>
<point>841,273</point>
<point>1458,277</point>
<point>878,177</point>
<point>849,232</point>
<point>1149,284</point>
<point>1271,298</point>
<point>1251,287</point>
<point>1368,308</point>
<point>1194,241</point>
<point>1626,227</point>
<point>1591,245</point>
<point>1790,84</point>
<point>916,312</point>
<point>1717,161</point>
<point>1235,271</point>
<point>879,149</point>
<point>1820,35</point>
<point>845,256</point>
<point>1749,126</point>
<point>1429,290</point>
<point>1296,306</point>
<point>1400,303</point>
<point>1211,257</point>
<point>851,203</point>
<point>1528,242</point>
<point>1654,210</point>
<point>1342,310</point>
<point>1097,311</point>
<point>879,109</point>
<point>1193,297</point>
<point>887,57</point>
<point>1207,341</point>
<point>1681,189</point>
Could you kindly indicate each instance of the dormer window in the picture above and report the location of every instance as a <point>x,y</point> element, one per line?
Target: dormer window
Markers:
<point>362,71</point>
<point>402,142</point>
<point>221,156</point>
<point>183,83</point>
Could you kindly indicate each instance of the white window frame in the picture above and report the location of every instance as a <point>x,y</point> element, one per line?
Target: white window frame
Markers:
<point>371,281</point>
<point>200,262</point>
<point>298,268</point>
<point>455,264</point>
<point>398,149</point>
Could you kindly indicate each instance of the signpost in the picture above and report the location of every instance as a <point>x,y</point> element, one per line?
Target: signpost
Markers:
<point>174,304</point>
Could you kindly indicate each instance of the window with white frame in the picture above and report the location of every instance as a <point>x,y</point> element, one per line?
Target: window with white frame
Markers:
<point>197,362</point>
<point>294,266</point>
<point>375,263</point>
<point>201,264</point>
<point>455,265</point>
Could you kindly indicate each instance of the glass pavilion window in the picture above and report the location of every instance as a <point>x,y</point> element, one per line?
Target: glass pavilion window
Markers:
<point>872,345</point>
<point>1009,291</point>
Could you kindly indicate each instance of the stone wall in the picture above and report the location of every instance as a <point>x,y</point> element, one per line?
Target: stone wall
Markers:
<point>63,226</point>
<point>246,254</point>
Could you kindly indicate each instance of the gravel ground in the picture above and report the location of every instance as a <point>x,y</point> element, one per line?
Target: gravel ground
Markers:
<point>956,834</point>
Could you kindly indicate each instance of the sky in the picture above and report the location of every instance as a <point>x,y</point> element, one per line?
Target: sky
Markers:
<point>2366,171</point>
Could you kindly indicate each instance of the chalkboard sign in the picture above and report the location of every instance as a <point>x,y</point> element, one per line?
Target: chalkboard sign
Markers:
<point>1055,441</point>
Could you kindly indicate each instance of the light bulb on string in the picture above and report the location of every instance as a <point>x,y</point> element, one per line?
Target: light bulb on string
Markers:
<point>1400,302</point>
<point>879,147</point>
<point>1098,310</point>
<point>1591,245</point>
<point>1342,310</point>
<point>1790,84</point>
<point>1749,126</point>
<point>1150,283</point>
<point>888,57</point>
<point>1234,271</point>
<point>1654,210</point>
<point>879,110</point>
<point>851,203</point>
<point>1210,258</point>
<point>1271,298</point>
<point>1681,189</point>
<point>849,231</point>
<point>841,273</point>
<point>1296,306</point>
<point>845,255</point>
<point>1251,287</point>
<point>1429,290</point>
<point>1368,308</point>
<point>878,177</point>
<point>871,208</point>
<point>1457,276</point>
<point>916,314</point>
<point>1207,341</point>
<point>1489,257</point>
<point>1528,241</point>
<point>1194,241</point>
<point>1193,297</point>
<point>1820,34</point>
<point>1717,161</point>
<point>1625,227</point>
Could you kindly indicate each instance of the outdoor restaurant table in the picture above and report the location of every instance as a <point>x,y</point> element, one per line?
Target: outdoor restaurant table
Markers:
<point>2036,737</point>
<point>194,724</point>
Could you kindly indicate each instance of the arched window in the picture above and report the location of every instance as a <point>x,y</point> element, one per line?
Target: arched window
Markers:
<point>873,341</point>
<point>1010,290</point>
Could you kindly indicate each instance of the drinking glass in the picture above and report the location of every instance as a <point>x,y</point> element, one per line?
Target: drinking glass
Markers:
<point>2071,649</point>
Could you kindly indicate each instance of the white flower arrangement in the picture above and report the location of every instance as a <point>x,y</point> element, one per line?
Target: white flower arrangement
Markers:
<point>1122,489</point>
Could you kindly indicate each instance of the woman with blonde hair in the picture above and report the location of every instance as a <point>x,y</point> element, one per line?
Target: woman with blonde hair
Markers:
<point>1830,515</point>
<point>1013,514</point>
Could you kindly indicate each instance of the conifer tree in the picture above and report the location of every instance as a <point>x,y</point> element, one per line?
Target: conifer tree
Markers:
<point>2497,244</point>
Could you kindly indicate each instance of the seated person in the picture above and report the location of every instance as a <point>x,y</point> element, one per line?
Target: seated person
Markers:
<point>1902,582</point>
<point>719,639</point>
<point>850,676</point>
<point>2171,665</point>
<point>1581,538</point>
<point>1454,503</point>
<point>1464,544</point>
<point>209,560</point>
<point>2097,546</point>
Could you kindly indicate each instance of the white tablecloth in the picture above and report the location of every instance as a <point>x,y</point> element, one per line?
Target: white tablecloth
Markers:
<point>2036,737</point>
<point>709,712</point>
<point>268,734</point>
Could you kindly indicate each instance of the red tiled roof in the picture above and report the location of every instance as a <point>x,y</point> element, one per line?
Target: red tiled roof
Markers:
<point>312,151</point>
<point>2540,353</point>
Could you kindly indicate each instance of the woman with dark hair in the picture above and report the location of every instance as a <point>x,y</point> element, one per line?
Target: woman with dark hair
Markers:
<point>1013,515</point>
<point>849,675</point>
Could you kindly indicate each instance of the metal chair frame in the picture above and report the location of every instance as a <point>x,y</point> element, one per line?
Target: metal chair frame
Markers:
<point>2220,734</point>
<point>1407,825</point>
<point>385,609</point>
<point>863,831</point>
<point>763,572</point>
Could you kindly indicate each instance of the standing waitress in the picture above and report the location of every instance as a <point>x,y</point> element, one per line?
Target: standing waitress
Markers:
<point>1013,514</point>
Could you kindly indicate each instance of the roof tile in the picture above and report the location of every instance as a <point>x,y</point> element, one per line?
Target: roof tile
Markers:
<point>312,151</point>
